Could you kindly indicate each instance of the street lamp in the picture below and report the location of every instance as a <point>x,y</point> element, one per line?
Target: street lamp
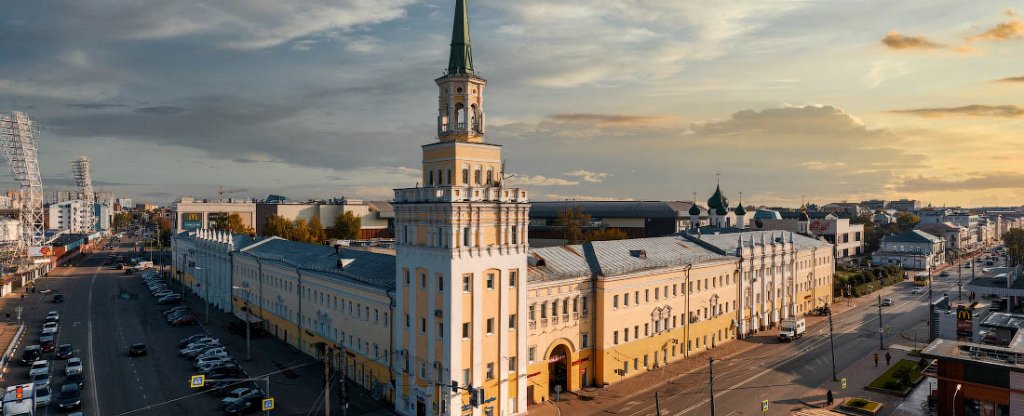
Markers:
<point>248,317</point>
<point>958,386</point>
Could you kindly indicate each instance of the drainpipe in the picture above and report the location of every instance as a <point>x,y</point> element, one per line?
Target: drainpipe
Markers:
<point>391,340</point>
<point>686,348</point>
<point>298,274</point>
<point>593,329</point>
<point>259,265</point>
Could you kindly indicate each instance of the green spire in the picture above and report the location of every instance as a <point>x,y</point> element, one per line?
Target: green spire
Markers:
<point>461,59</point>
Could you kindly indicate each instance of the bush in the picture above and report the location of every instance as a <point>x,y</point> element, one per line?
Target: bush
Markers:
<point>893,385</point>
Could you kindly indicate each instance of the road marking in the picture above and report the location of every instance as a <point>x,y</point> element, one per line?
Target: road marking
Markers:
<point>92,372</point>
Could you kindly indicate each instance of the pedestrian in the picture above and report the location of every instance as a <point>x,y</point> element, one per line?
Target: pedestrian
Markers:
<point>828,397</point>
<point>876,359</point>
<point>888,358</point>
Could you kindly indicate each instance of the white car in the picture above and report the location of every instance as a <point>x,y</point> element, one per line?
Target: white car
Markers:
<point>50,325</point>
<point>43,395</point>
<point>235,394</point>
<point>39,367</point>
<point>202,361</point>
<point>74,366</point>
<point>41,380</point>
<point>55,315</point>
<point>218,352</point>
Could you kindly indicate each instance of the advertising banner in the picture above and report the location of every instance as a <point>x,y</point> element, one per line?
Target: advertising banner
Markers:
<point>191,220</point>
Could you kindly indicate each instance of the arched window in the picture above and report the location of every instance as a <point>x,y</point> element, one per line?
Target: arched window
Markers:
<point>449,181</point>
<point>490,176</point>
<point>465,174</point>
<point>473,120</point>
<point>476,176</point>
<point>430,178</point>
<point>460,117</point>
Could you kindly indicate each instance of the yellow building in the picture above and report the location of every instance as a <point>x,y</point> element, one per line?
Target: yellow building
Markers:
<point>463,318</point>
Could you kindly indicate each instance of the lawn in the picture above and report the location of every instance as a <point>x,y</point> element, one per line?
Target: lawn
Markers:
<point>899,378</point>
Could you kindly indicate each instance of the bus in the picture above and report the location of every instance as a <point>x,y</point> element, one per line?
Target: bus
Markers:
<point>19,400</point>
<point>921,279</point>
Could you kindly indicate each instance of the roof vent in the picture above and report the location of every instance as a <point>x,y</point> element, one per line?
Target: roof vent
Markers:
<point>640,254</point>
<point>342,263</point>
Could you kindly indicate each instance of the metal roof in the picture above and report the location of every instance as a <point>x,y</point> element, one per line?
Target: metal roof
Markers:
<point>726,242</point>
<point>912,236</point>
<point>361,266</point>
<point>616,209</point>
<point>612,258</point>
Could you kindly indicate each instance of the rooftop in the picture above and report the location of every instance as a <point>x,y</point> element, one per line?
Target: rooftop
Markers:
<point>1011,358</point>
<point>912,236</point>
<point>614,258</point>
<point>371,267</point>
<point>615,209</point>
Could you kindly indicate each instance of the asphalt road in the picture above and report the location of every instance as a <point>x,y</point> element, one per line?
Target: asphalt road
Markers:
<point>784,373</point>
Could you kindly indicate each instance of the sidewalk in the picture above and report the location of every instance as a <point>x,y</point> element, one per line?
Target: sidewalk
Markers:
<point>858,376</point>
<point>594,400</point>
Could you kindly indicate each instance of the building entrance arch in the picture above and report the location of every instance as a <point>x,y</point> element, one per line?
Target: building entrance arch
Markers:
<point>559,363</point>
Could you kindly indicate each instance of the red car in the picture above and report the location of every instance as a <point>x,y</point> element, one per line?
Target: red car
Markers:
<point>185,320</point>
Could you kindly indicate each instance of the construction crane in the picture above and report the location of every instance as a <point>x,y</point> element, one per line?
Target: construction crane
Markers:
<point>19,146</point>
<point>221,192</point>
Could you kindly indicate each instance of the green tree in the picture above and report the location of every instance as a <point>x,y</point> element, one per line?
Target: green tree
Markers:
<point>232,223</point>
<point>121,220</point>
<point>347,226</point>
<point>164,225</point>
<point>1013,241</point>
<point>607,234</point>
<point>277,226</point>
<point>906,221</point>
<point>571,220</point>
<point>299,231</point>
<point>317,235</point>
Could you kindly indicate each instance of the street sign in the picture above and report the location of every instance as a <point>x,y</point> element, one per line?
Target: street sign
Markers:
<point>844,383</point>
<point>197,381</point>
<point>268,404</point>
<point>764,406</point>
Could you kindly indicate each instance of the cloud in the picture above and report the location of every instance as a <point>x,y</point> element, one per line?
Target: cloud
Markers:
<point>1010,29</point>
<point>538,180</point>
<point>895,40</point>
<point>974,110</point>
<point>882,71</point>
<point>974,182</point>
<point>609,119</point>
<point>588,176</point>
<point>823,165</point>
<point>1012,79</point>
<point>160,110</point>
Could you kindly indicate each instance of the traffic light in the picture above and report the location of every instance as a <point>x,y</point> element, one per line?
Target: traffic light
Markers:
<point>479,393</point>
<point>472,396</point>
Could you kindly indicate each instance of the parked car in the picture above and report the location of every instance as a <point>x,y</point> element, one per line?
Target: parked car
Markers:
<point>53,315</point>
<point>246,404</point>
<point>58,298</point>
<point>43,395</point>
<point>237,394</point>
<point>64,351</point>
<point>70,397</point>
<point>169,299</point>
<point>184,320</point>
<point>205,361</point>
<point>73,366</point>
<point>190,339</point>
<point>30,354</point>
<point>213,352</point>
<point>229,369</point>
<point>39,367</point>
<point>77,379</point>
<point>194,351</point>
<point>137,350</point>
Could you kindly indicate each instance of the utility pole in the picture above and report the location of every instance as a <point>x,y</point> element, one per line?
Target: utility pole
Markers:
<point>881,332</point>
<point>327,379</point>
<point>344,380</point>
<point>711,372</point>
<point>959,277</point>
<point>832,342</point>
<point>657,404</point>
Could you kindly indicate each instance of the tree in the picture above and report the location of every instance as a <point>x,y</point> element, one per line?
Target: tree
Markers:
<point>906,221</point>
<point>607,234</point>
<point>1013,241</point>
<point>571,220</point>
<point>299,231</point>
<point>121,220</point>
<point>165,230</point>
<point>232,223</point>
<point>347,226</point>
<point>277,226</point>
<point>317,235</point>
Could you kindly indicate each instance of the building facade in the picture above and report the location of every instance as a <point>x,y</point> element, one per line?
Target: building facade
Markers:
<point>190,214</point>
<point>913,249</point>
<point>376,217</point>
<point>202,260</point>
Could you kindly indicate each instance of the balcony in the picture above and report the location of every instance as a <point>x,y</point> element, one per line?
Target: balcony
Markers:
<point>543,322</point>
<point>532,325</point>
<point>461,194</point>
<point>554,320</point>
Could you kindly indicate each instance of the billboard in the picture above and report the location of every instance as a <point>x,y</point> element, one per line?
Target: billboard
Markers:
<point>39,251</point>
<point>822,227</point>
<point>964,323</point>
<point>191,220</point>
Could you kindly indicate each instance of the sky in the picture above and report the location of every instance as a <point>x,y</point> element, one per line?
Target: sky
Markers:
<point>592,99</point>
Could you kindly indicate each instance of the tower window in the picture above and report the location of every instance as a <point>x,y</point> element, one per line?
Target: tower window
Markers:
<point>490,176</point>
<point>430,178</point>
<point>465,176</point>
<point>515,234</point>
<point>476,176</point>
<point>449,181</point>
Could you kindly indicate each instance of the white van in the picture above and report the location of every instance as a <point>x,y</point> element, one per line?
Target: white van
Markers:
<point>791,329</point>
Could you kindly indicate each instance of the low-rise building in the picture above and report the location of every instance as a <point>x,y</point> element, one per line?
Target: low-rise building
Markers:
<point>978,379</point>
<point>636,218</point>
<point>202,261</point>
<point>905,205</point>
<point>913,249</point>
<point>959,240</point>
<point>376,217</point>
<point>847,238</point>
<point>191,214</point>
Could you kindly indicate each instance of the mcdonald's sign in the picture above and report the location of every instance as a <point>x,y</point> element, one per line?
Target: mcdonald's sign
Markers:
<point>964,323</point>
<point>964,314</point>
<point>191,220</point>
